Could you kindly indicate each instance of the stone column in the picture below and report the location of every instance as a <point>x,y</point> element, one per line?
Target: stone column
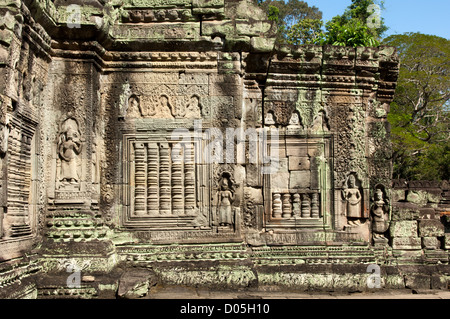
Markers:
<point>140,179</point>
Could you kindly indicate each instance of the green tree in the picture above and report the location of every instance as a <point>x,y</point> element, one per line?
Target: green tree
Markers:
<point>365,13</point>
<point>291,11</point>
<point>292,17</point>
<point>306,31</point>
<point>298,23</point>
<point>360,25</point>
<point>353,33</point>
<point>420,112</point>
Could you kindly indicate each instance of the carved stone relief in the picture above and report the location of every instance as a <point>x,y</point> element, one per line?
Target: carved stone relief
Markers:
<point>380,215</point>
<point>354,201</point>
<point>69,150</point>
<point>178,99</point>
<point>226,197</point>
<point>283,111</point>
<point>134,107</point>
<point>104,171</point>
<point>320,122</point>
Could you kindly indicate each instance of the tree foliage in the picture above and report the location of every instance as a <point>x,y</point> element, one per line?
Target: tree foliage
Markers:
<point>362,13</point>
<point>298,23</point>
<point>420,112</point>
<point>353,33</point>
<point>360,25</point>
<point>291,11</point>
<point>306,31</point>
<point>291,17</point>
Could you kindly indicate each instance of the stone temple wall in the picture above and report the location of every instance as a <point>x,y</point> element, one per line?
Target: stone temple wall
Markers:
<point>167,142</point>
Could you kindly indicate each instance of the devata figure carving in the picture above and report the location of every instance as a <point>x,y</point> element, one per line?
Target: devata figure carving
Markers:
<point>353,197</point>
<point>380,215</point>
<point>226,197</point>
<point>69,148</point>
<point>320,122</point>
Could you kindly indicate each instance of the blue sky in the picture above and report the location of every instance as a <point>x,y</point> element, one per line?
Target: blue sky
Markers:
<point>425,16</point>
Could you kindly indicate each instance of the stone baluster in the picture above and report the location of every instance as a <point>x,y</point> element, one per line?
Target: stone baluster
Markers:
<point>296,205</point>
<point>165,195</point>
<point>306,206</point>
<point>177,184</point>
<point>277,206</point>
<point>152,179</point>
<point>286,205</point>
<point>140,179</point>
<point>189,179</point>
<point>315,205</point>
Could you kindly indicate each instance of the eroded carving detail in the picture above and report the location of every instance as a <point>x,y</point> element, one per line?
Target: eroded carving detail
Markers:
<point>320,122</point>
<point>226,197</point>
<point>4,134</point>
<point>380,215</point>
<point>134,107</point>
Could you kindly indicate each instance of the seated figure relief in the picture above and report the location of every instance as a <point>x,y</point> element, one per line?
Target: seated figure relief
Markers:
<point>134,107</point>
<point>164,106</point>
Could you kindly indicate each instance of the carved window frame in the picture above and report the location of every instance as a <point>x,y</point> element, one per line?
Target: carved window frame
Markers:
<point>325,186</point>
<point>203,187</point>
